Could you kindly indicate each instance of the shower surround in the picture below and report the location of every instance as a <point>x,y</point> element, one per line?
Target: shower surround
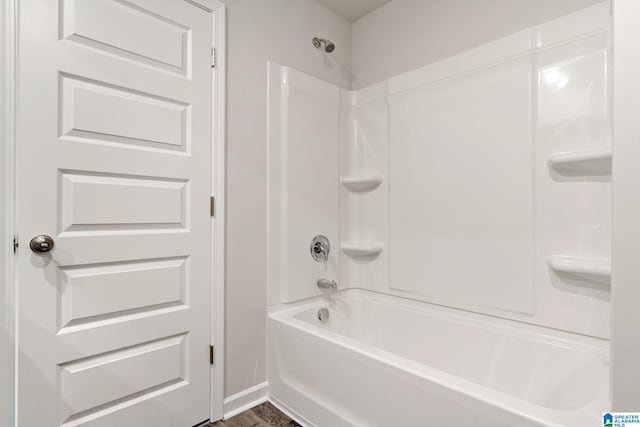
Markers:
<point>480,183</point>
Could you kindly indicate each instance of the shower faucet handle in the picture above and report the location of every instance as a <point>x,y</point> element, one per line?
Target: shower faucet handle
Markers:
<point>320,248</point>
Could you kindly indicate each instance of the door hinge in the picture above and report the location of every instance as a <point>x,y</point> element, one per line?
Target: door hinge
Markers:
<point>213,57</point>
<point>211,355</point>
<point>212,207</point>
<point>16,245</point>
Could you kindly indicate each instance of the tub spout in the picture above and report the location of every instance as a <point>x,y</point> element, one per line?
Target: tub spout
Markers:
<point>327,284</point>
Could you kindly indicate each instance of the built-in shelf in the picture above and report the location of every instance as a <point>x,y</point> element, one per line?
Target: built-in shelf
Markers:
<point>596,269</point>
<point>362,251</point>
<point>582,162</point>
<point>361,184</point>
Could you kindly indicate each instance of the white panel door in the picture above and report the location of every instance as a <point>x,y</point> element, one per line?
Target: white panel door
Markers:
<point>113,163</point>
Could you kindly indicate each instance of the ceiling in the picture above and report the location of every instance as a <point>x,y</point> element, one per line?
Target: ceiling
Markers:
<point>353,10</point>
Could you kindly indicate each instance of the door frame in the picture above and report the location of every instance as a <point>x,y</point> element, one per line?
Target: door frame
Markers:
<point>9,35</point>
<point>218,187</point>
<point>8,87</point>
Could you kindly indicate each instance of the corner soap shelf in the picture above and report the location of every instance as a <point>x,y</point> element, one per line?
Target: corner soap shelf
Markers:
<point>362,251</point>
<point>361,184</point>
<point>596,269</point>
<point>582,162</point>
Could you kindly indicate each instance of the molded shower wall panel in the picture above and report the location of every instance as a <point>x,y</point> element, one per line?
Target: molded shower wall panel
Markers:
<point>477,209</point>
<point>303,182</point>
<point>364,209</point>
<point>461,216</point>
<point>573,207</point>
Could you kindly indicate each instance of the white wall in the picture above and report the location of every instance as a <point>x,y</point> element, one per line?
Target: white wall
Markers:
<point>625,351</point>
<point>407,34</point>
<point>261,31</point>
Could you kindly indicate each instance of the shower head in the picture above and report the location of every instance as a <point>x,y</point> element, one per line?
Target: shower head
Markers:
<point>329,47</point>
<point>328,44</point>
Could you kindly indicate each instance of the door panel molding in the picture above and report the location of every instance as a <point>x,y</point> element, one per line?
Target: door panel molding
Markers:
<point>87,23</point>
<point>208,5</point>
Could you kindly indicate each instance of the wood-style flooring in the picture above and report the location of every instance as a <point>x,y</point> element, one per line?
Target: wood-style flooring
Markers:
<point>264,415</point>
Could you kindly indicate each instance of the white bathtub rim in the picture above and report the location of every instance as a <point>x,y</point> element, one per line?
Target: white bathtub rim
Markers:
<point>568,340</point>
<point>533,412</point>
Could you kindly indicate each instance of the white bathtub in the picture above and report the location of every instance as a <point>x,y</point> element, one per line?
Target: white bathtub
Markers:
<point>387,361</point>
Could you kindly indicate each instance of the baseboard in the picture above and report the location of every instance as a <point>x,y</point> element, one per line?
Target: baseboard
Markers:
<point>290,412</point>
<point>246,399</point>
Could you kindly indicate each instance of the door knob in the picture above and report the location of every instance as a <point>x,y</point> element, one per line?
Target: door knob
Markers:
<point>41,244</point>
